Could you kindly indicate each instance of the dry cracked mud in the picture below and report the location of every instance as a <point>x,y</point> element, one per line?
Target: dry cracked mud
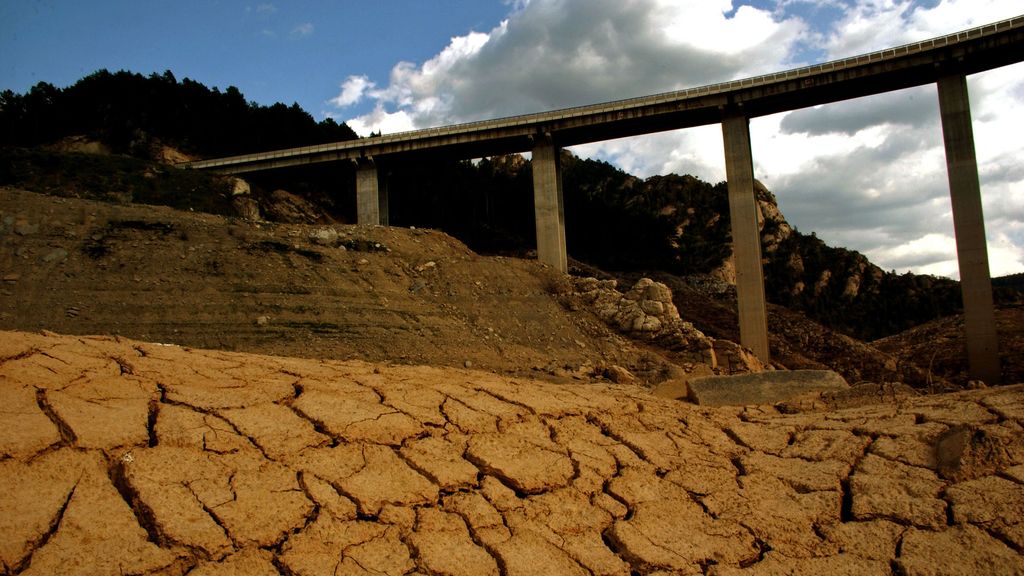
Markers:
<point>124,457</point>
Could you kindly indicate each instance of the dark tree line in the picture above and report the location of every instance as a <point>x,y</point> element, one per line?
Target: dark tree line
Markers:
<point>124,110</point>
<point>613,220</point>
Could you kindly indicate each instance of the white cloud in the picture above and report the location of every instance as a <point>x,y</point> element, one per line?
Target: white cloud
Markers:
<point>558,53</point>
<point>868,174</point>
<point>870,25</point>
<point>265,8</point>
<point>933,253</point>
<point>1005,254</point>
<point>936,254</point>
<point>695,151</point>
<point>380,120</point>
<point>352,91</point>
<point>303,30</point>
<point>417,96</point>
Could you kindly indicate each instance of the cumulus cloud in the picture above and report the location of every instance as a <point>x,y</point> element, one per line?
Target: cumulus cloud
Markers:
<point>868,174</point>
<point>382,121</point>
<point>869,25</point>
<point>902,187</point>
<point>1006,253</point>
<point>353,89</point>
<point>557,53</point>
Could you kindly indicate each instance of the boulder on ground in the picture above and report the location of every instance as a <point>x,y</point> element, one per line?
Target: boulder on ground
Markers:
<point>324,236</point>
<point>246,207</point>
<point>239,187</point>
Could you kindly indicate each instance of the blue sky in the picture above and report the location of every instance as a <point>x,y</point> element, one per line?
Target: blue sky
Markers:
<point>867,174</point>
<point>272,51</point>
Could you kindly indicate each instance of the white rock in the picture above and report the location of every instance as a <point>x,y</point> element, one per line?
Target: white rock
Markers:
<point>324,236</point>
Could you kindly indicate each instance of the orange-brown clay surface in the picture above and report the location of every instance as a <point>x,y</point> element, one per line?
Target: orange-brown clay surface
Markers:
<point>122,457</point>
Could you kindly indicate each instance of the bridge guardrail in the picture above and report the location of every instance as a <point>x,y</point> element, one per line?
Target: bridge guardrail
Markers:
<point>623,104</point>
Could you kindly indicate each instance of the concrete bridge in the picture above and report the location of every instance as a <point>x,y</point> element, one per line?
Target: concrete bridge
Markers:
<point>945,61</point>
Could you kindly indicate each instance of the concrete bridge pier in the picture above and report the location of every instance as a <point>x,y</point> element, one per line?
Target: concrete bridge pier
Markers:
<point>384,196</point>
<point>969,227</point>
<point>371,204</point>
<point>746,237</point>
<point>548,206</point>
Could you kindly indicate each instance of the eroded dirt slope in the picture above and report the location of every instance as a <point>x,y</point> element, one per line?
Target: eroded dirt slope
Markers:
<point>371,293</point>
<point>939,346</point>
<point>122,457</point>
<point>343,292</point>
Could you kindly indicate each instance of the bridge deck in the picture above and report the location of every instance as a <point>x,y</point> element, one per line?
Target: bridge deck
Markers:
<point>918,63</point>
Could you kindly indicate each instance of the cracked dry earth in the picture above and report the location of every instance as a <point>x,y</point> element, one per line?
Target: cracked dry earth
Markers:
<point>121,457</point>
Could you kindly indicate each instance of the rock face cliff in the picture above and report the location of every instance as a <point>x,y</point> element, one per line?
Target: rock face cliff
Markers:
<point>781,243</point>
<point>838,287</point>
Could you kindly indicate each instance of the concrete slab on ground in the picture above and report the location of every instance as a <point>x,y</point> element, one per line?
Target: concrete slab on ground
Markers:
<point>762,388</point>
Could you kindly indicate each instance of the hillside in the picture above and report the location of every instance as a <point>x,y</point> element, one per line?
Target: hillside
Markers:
<point>339,291</point>
<point>669,224</point>
<point>87,267</point>
<point>672,224</point>
<point>938,346</point>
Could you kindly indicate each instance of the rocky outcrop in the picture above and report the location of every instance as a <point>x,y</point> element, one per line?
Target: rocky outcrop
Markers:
<point>647,308</point>
<point>247,207</point>
<point>773,225</point>
<point>647,312</point>
<point>801,271</point>
<point>774,230</point>
<point>324,236</point>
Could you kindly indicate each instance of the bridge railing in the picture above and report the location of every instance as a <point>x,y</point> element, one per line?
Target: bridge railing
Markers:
<point>753,81</point>
<point>627,103</point>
